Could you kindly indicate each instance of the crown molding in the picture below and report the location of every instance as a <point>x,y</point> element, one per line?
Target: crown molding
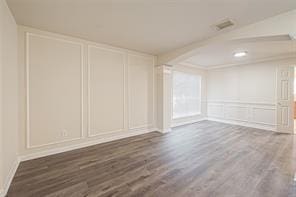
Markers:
<point>192,65</point>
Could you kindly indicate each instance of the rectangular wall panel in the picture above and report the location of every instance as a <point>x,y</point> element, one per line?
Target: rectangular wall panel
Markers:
<point>236,112</point>
<point>106,90</point>
<point>140,72</point>
<point>264,115</point>
<point>215,110</point>
<point>258,115</point>
<point>54,90</point>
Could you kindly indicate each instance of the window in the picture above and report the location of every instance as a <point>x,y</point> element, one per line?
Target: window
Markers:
<point>186,95</point>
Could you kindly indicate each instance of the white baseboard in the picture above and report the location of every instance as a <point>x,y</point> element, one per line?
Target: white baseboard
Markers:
<point>187,122</point>
<point>9,178</point>
<point>53,151</point>
<point>245,124</point>
<point>134,133</point>
<point>164,130</point>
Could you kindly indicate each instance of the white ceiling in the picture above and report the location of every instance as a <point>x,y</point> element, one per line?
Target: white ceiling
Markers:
<point>152,26</point>
<point>222,54</point>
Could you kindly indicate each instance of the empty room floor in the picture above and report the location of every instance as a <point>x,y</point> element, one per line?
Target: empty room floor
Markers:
<point>202,159</point>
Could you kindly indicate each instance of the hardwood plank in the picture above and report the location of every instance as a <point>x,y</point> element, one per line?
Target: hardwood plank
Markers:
<point>202,159</point>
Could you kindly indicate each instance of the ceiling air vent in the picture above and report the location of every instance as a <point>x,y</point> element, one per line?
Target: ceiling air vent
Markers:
<point>224,24</point>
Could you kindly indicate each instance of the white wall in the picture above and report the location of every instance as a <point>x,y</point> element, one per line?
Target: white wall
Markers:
<point>294,90</point>
<point>8,96</point>
<point>245,94</point>
<point>80,93</point>
<point>203,75</point>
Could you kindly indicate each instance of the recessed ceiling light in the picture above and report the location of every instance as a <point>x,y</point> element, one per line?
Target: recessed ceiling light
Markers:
<point>240,54</point>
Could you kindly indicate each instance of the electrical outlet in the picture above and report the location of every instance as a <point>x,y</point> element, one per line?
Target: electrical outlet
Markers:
<point>64,133</point>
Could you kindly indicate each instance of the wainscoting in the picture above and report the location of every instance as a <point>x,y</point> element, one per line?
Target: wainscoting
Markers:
<point>257,115</point>
<point>106,85</point>
<point>79,93</point>
<point>54,89</point>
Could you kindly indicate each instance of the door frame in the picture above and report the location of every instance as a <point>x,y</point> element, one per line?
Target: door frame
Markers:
<point>293,107</point>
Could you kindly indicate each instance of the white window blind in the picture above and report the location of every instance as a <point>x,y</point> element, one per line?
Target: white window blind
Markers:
<point>186,95</point>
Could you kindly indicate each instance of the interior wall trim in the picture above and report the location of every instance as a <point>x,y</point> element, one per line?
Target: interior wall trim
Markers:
<point>153,124</point>
<point>139,127</point>
<point>43,153</point>
<point>225,108</point>
<point>177,124</point>
<point>245,124</point>
<point>147,124</point>
<point>27,73</point>
<point>263,108</point>
<point>84,136</point>
<point>247,118</point>
<point>242,102</point>
<point>89,90</point>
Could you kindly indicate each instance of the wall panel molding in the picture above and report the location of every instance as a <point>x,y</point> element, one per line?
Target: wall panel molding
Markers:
<point>27,70</point>
<point>236,112</point>
<point>258,115</point>
<point>241,102</point>
<point>91,142</point>
<point>102,133</point>
<point>262,119</point>
<point>148,124</point>
<point>216,110</point>
<point>73,51</point>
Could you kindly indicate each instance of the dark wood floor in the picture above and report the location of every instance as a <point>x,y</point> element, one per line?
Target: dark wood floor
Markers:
<point>203,159</point>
